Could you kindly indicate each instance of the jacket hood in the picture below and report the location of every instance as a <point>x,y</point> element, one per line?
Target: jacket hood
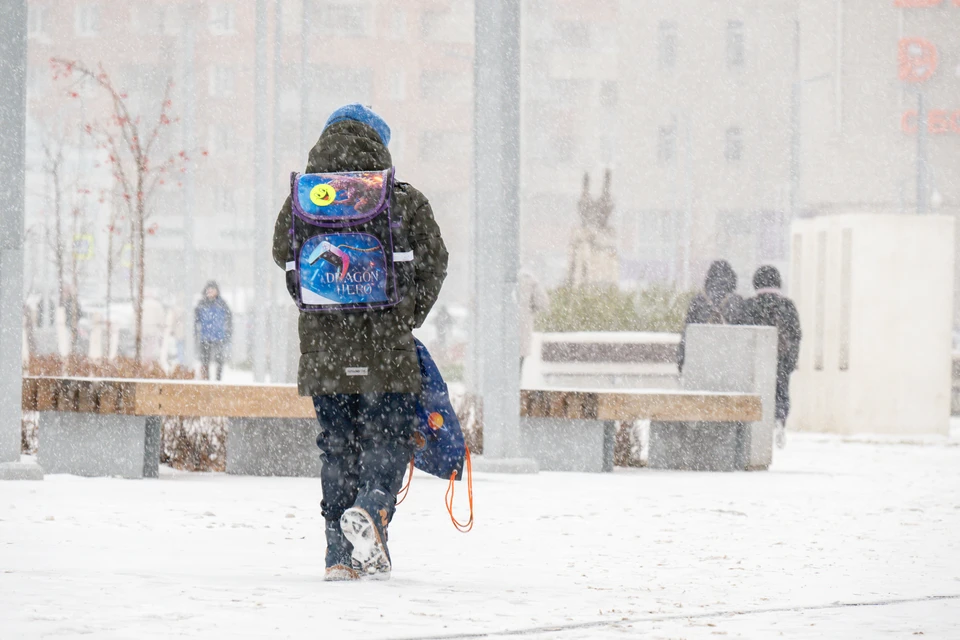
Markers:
<point>348,145</point>
<point>721,280</point>
<point>766,277</point>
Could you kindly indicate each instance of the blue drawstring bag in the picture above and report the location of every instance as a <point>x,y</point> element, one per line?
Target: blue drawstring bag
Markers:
<point>440,446</point>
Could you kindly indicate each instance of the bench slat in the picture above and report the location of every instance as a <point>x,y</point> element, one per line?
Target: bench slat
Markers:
<point>28,395</point>
<point>666,406</point>
<point>227,401</point>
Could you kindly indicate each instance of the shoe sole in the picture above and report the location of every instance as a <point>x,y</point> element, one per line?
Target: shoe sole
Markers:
<point>368,550</point>
<point>340,573</point>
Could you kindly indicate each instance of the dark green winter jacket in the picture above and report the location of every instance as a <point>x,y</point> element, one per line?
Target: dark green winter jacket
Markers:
<point>378,341</point>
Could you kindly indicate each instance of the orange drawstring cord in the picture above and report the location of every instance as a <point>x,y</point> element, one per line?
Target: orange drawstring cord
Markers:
<point>405,490</point>
<point>448,498</point>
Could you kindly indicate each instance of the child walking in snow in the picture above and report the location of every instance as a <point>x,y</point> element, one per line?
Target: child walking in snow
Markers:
<point>365,267</point>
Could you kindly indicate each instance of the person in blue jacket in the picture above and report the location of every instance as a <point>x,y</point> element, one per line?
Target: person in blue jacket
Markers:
<point>213,329</point>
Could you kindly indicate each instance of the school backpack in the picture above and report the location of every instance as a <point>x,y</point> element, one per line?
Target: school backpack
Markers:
<point>342,237</point>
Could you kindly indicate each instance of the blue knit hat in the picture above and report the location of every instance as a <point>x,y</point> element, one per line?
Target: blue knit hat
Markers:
<point>363,114</point>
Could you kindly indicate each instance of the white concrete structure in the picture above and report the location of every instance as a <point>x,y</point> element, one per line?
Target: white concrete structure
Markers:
<point>722,358</point>
<point>875,296</point>
<point>602,360</point>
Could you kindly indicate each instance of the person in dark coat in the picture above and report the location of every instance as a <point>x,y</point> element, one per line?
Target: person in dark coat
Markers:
<point>213,328</point>
<point>769,307</point>
<point>718,303</point>
<point>361,366</point>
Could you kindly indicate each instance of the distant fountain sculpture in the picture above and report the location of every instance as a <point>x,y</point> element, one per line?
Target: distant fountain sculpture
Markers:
<point>593,245</point>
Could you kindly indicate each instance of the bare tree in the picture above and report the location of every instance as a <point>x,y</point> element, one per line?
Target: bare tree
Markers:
<point>139,166</point>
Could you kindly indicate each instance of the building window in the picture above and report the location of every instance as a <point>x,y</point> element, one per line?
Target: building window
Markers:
<point>346,20</point>
<point>220,139</point>
<point>733,150</point>
<point>771,236</point>
<point>222,81</point>
<point>291,16</point>
<point>609,93</point>
<point>87,20</point>
<point>736,55</point>
<point>668,44</point>
<point>654,236</point>
<point>170,21</point>
<point>398,85</point>
<point>398,25</point>
<point>437,146</point>
<point>667,144</point>
<point>36,17</point>
<point>573,33</point>
<point>564,148</point>
<point>445,85</point>
<point>225,199</point>
<point>146,18</point>
<point>222,18</point>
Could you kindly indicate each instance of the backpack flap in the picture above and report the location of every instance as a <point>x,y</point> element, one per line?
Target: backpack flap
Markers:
<point>340,199</point>
<point>343,241</point>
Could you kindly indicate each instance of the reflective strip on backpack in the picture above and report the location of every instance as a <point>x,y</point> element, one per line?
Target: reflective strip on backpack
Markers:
<point>406,256</point>
<point>291,266</point>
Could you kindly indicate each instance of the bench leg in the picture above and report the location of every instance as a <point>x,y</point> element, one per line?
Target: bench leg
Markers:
<point>151,449</point>
<point>609,443</point>
<point>273,447</point>
<point>559,444</point>
<point>90,444</point>
<point>698,446</point>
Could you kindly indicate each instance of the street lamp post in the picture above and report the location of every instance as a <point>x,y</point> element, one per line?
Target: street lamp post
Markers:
<point>496,336</point>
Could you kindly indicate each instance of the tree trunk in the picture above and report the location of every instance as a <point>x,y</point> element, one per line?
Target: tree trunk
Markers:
<point>141,263</point>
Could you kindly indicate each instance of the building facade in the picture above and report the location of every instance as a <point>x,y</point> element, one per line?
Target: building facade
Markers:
<point>704,159</point>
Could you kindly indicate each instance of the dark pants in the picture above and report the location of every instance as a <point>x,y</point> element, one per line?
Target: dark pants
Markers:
<point>211,351</point>
<point>365,443</point>
<point>783,395</point>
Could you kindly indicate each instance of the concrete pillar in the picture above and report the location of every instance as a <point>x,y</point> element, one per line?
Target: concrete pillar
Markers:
<point>496,239</point>
<point>263,264</point>
<point>13,109</point>
<point>722,358</point>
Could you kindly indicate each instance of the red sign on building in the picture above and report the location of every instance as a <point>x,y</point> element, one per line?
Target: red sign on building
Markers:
<point>917,58</point>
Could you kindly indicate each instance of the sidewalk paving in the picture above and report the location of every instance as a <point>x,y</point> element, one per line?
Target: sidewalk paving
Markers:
<point>785,553</point>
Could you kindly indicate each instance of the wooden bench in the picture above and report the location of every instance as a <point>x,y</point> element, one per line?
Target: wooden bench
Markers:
<point>574,430</point>
<point>721,418</point>
<point>112,427</point>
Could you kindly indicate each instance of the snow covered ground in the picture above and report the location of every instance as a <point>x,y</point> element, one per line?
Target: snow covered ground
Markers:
<point>840,539</point>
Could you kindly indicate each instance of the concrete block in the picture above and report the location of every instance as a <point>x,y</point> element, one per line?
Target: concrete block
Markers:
<point>153,436</point>
<point>90,444</point>
<point>569,445</point>
<point>273,447</point>
<point>875,296</point>
<point>699,446</point>
<point>20,471</point>
<point>737,358</point>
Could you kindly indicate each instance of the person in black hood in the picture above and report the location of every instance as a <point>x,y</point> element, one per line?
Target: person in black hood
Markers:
<point>769,307</point>
<point>716,304</point>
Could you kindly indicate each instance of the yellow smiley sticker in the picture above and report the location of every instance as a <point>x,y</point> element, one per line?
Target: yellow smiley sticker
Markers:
<point>323,195</point>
